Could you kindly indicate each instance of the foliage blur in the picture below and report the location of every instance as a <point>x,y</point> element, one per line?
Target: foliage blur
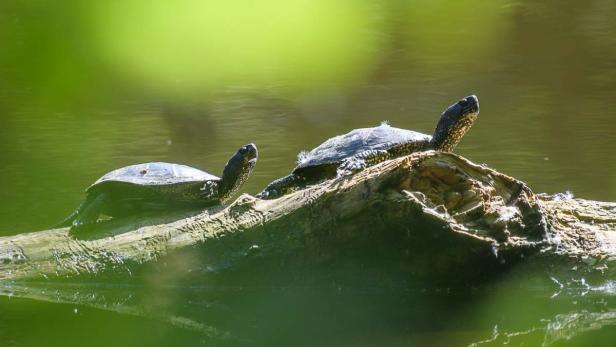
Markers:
<point>89,86</point>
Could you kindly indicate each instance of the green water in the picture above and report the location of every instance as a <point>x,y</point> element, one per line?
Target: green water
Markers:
<point>88,87</point>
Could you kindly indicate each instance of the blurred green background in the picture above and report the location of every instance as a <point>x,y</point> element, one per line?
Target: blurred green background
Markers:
<point>86,87</point>
<point>89,86</point>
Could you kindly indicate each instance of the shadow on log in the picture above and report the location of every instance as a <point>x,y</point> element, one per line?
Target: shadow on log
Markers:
<point>428,214</point>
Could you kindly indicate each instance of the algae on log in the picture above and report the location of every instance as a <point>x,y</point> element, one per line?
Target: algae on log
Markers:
<point>438,212</point>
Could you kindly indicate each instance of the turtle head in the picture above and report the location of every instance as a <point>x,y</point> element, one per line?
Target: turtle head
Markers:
<point>237,170</point>
<point>454,123</point>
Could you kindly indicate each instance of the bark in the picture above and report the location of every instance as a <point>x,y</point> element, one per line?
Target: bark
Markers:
<point>434,213</point>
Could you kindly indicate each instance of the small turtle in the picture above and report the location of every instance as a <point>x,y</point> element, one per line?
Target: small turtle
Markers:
<point>361,148</point>
<point>160,186</point>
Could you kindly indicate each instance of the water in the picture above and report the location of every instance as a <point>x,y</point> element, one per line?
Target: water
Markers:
<point>85,89</point>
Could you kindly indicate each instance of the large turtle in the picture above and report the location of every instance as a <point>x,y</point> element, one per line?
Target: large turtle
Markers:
<point>160,186</point>
<point>360,148</point>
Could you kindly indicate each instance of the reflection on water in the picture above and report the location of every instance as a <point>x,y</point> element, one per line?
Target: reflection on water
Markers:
<point>515,311</point>
<point>80,96</point>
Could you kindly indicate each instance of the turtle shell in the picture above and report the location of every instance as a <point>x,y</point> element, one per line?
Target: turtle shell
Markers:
<point>337,148</point>
<point>155,174</point>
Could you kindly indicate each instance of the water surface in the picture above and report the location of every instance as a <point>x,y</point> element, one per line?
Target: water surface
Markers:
<point>86,88</point>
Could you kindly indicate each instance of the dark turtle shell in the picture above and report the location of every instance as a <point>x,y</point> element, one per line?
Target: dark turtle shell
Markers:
<point>155,175</point>
<point>334,150</point>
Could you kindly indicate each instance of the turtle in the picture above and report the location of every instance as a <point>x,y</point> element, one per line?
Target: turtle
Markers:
<point>360,148</point>
<point>159,186</point>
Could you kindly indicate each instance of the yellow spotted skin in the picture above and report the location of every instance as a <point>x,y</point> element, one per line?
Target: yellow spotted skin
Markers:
<point>455,135</point>
<point>373,157</point>
<point>343,154</point>
<point>311,175</point>
<point>159,186</point>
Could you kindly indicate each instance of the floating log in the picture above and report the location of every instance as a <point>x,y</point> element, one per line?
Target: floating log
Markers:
<point>427,213</point>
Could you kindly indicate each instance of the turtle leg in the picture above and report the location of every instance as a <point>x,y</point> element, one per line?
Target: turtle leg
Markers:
<point>68,221</point>
<point>281,186</point>
<point>362,160</point>
<point>88,214</point>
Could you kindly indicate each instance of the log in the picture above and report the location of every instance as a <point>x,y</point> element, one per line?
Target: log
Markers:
<point>429,213</point>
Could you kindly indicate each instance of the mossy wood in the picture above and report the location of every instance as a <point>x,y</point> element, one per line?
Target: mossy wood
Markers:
<point>442,213</point>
